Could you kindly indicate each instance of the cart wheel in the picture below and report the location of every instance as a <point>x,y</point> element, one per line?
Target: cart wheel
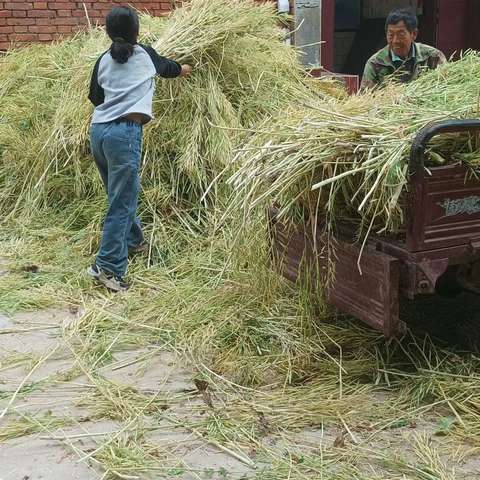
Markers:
<point>448,285</point>
<point>452,322</point>
<point>469,277</point>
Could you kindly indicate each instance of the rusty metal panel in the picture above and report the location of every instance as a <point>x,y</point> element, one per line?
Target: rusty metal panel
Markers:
<point>412,264</point>
<point>447,210</point>
<point>370,296</point>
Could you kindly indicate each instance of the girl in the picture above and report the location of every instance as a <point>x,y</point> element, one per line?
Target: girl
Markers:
<point>121,90</point>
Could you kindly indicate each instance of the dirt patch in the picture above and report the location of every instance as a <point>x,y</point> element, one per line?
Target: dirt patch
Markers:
<point>34,459</point>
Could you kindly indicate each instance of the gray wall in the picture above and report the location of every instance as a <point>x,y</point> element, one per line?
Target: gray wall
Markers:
<point>308,14</point>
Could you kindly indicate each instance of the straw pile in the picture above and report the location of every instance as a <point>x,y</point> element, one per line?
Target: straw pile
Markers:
<point>349,159</point>
<point>243,72</point>
<point>307,377</point>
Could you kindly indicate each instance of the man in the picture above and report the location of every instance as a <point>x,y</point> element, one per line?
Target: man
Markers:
<point>402,59</point>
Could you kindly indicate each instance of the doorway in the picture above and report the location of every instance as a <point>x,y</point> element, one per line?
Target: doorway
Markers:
<point>360,30</point>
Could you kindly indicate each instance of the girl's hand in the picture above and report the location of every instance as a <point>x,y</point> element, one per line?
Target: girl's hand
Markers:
<point>186,70</point>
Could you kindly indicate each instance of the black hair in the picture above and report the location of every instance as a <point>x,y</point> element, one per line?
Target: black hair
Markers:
<point>123,26</point>
<point>405,15</point>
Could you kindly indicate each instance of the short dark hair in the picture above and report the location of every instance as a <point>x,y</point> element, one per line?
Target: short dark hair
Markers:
<point>123,27</point>
<point>405,15</point>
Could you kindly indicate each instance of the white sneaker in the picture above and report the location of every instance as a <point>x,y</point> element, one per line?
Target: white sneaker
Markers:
<point>107,279</point>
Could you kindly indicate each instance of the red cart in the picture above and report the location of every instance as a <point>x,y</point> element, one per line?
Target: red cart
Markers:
<point>439,252</point>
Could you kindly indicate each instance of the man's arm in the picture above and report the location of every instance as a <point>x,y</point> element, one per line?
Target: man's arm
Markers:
<point>370,77</point>
<point>436,59</point>
<point>441,58</point>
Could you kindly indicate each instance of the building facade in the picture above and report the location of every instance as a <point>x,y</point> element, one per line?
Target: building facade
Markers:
<point>339,35</point>
<point>23,22</point>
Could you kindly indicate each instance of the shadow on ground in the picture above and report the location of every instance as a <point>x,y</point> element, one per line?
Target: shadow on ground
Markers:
<point>453,322</point>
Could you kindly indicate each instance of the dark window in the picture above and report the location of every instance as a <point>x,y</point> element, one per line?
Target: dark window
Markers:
<point>348,14</point>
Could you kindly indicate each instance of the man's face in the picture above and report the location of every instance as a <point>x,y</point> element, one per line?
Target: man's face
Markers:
<point>400,39</point>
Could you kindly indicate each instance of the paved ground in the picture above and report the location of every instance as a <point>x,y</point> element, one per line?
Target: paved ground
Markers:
<point>27,337</point>
<point>35,364</point>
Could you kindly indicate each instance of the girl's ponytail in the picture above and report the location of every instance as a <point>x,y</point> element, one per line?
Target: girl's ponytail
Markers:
<point>122,27</point>
<point>121,50</point>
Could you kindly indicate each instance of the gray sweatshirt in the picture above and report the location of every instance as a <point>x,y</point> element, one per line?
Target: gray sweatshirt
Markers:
<point>119,89</point>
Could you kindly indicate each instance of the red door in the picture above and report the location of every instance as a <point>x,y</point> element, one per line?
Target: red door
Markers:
<point>453,25</point>
<point>328,34</point>
<point>473,21</point>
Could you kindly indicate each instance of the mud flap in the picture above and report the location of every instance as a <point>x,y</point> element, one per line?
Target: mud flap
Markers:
<point>370,295</point>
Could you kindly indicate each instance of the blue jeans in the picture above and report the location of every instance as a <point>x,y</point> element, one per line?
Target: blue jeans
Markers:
<point>117,149</point>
